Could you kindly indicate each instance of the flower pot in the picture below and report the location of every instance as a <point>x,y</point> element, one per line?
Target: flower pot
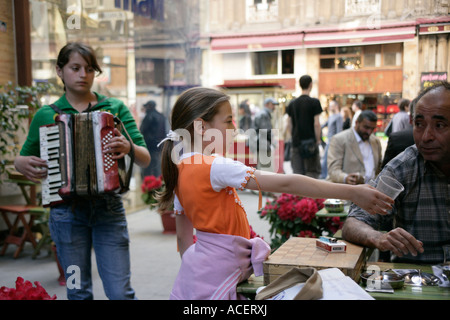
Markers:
<point>168,222</point>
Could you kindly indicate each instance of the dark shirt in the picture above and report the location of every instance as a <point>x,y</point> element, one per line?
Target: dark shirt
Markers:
<point>153,128</point>
<point>397,143</point>
<point>302,111</point>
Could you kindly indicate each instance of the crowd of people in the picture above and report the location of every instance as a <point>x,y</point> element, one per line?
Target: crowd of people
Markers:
<point>201,184</point>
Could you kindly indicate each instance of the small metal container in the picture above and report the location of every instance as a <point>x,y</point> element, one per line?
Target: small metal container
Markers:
<point>334,205</point>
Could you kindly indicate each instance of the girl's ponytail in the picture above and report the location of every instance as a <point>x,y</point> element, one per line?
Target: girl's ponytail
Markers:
<point>170,176</point>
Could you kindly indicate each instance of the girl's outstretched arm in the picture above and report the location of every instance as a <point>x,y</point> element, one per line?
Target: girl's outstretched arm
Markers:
<point>365,196</point>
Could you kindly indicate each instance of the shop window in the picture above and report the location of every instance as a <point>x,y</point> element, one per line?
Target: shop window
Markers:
<point>392,54</point>
<point>261,10</point>
<point>362,7</point>
<point>267,62</point>
<point>347,58</point>
<point>367,57</point>
<point>372,56</point>
<point>287,61</point>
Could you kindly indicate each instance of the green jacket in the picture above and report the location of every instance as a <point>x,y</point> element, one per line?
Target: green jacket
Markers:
<point>46,115</point>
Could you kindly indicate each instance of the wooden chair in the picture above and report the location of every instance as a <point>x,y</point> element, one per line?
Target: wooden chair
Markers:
<point>21,211</point>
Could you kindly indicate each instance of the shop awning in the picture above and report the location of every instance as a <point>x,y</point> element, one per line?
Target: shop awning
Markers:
<point>256,42</point>
<point>356,37</point>
<point>312,38</point>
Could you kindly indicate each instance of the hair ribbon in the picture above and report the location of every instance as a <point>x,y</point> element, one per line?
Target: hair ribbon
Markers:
<point>172,136</point>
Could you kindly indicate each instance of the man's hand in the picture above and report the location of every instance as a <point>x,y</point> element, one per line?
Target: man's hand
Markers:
<point>354,178</point>
<point>400,242</point>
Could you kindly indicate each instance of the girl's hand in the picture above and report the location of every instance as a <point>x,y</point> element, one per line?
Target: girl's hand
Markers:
<point>33,168</point>
<point>371,200</point>
<point>119,146</point>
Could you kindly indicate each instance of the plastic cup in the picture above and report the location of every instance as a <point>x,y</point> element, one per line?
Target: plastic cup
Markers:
<point>389,186</point>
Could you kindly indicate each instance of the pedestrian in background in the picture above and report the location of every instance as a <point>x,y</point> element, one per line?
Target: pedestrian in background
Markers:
<point>354,155</point>
<point>334,124</point>
<point>304,112</point>
<point>346,117</point>
<point>263,127</point>
<point>356,108</point>
<point>154,129</point>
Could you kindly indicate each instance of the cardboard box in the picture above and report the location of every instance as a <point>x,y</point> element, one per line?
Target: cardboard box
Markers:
<point>303,252</point>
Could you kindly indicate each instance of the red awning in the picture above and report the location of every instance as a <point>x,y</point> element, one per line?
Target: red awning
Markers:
<point>256,42</point>
<point>355,37</point>
<point>312,38</point>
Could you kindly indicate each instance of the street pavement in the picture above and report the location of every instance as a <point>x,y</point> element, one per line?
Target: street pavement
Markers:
<point>154,257</point>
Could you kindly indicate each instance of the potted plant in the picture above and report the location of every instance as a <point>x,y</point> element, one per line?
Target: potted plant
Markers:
<point>16,104</point>
<point>295,216</point>
<point>150,187</point>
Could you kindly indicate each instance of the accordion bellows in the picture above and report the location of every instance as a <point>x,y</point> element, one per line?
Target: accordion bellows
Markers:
<point>78,166</point>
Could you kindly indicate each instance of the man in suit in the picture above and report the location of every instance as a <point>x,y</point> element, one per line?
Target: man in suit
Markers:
<point>354,155</point>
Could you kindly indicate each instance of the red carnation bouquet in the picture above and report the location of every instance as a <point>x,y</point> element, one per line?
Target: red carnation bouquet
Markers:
<point>291,215</point>
<point>151,185</point>
<point>24,290</point>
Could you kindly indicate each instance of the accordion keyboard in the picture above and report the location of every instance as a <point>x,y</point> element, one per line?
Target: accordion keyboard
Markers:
<point>49,147</point>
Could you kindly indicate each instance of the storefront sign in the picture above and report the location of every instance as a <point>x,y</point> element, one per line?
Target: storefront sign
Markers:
<point>153,9</point>
<point>427,79</point>
<point>434,29</point>
<point>360,82</point>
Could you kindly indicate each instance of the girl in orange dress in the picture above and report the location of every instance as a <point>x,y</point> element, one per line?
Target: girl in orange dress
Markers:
<point>202,187</point>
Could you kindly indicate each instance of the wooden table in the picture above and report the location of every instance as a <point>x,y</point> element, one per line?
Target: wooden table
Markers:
<point>248,288</point>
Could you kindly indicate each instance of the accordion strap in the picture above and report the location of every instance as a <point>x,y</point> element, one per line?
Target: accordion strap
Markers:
<point>59,111</point>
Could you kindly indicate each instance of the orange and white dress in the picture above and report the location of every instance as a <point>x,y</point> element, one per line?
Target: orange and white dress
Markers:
<point>206,193</point>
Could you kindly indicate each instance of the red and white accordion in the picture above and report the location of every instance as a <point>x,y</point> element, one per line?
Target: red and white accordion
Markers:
<point>77,164</point>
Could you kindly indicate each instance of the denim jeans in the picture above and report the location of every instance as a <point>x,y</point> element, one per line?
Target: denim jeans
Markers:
<point>100,224</point>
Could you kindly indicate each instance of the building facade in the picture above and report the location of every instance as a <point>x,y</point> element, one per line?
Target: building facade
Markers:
<point>372,50</point>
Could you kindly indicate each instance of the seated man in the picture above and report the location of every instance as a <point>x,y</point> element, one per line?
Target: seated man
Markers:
<point>354,155</point>
<point>419,223</point>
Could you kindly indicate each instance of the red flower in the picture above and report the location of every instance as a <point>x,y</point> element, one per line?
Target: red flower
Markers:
<point>253,234</point>
<point>25,291</point>
<point>307,234</point>
<point>151,183</point>
<point>306,209</point>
